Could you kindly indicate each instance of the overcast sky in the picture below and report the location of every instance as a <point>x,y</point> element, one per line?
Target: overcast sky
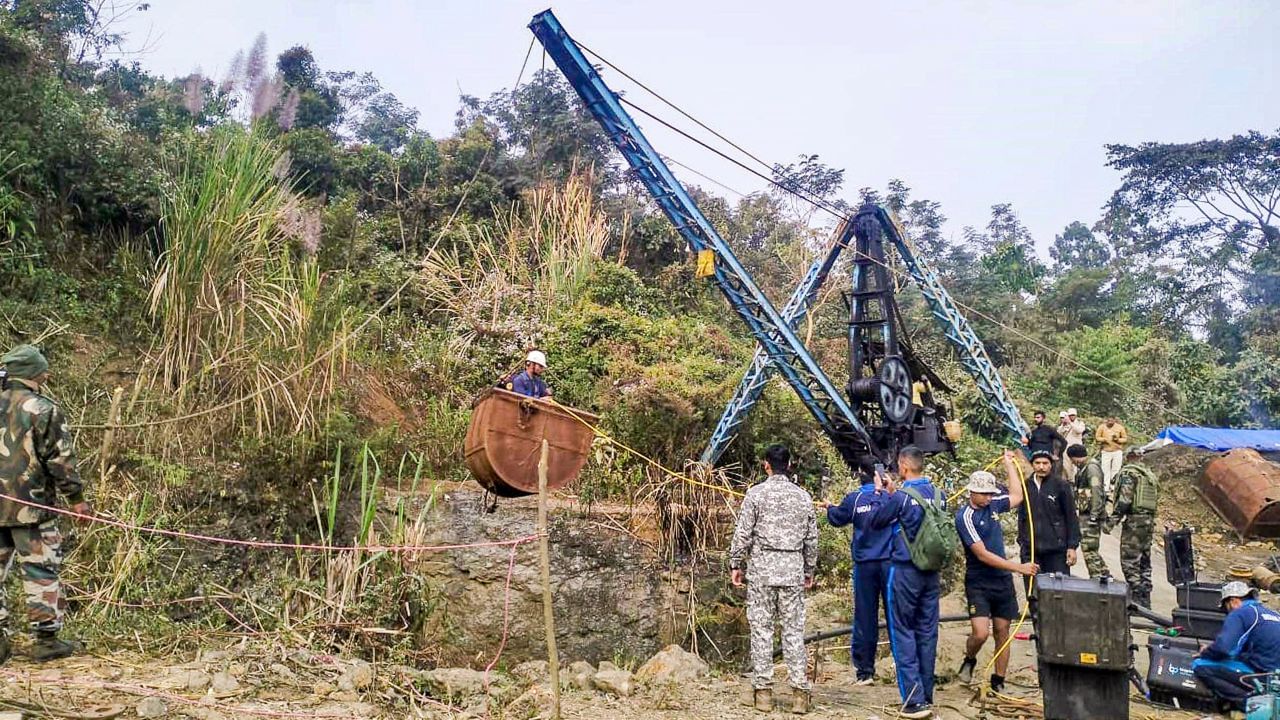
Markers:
<point>971,103</point>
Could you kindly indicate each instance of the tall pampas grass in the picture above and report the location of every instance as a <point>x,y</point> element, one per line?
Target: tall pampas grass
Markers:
<point>237,297</point>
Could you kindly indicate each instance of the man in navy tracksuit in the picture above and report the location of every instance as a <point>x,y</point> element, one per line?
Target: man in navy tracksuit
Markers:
<point>1248,644</point>
<point>870,548</point>
<point>913,593</point>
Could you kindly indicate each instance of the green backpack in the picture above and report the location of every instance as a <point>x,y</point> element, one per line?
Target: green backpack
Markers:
<point>1146,487</point>
<point>937,540</point>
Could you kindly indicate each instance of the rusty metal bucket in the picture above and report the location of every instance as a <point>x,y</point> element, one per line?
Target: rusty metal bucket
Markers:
<point>1244,488</point>
<point>504,442</point>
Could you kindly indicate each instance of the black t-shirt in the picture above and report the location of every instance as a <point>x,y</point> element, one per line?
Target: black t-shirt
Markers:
<point>1045,438</point>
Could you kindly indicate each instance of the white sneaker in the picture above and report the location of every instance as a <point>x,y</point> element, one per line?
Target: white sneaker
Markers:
<point>868,680</point>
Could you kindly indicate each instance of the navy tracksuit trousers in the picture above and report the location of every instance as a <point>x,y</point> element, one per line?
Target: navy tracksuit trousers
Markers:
<point>913,630</point>
<point>870,593</point>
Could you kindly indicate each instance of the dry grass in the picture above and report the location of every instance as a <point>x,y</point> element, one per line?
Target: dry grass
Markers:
<point>538,256</point>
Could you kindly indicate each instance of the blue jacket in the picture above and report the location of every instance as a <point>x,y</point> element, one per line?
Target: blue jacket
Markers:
<point>1250,634</point>
<point>868,544</point>
<point>530,385</point>
<point>903,514</point>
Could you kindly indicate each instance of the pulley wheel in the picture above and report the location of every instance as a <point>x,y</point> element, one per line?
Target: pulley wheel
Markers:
<point>895,390</point>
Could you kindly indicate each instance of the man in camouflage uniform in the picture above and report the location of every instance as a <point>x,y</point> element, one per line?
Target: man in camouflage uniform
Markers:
<point>776,541</point>
<point>1136,497</point>
<point>36,459</point>
<point>1091,496</point>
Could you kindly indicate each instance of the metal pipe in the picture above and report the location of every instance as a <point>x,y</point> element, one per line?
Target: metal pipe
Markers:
<point>1148,613</point>
<point>828,634</point>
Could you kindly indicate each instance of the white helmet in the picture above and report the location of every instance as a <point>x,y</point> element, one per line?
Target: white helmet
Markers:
<point>536,356</point>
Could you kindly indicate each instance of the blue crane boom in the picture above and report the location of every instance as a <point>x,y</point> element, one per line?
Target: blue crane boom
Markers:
<point>779,341</point>
<point>760,369</point>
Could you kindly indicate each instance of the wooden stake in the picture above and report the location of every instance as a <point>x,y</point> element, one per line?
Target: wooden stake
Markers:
<point>548,617</point>
<point>108,437</point>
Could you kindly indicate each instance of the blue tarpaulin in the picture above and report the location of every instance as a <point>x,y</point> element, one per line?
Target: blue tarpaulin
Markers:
<point>1220,439</point>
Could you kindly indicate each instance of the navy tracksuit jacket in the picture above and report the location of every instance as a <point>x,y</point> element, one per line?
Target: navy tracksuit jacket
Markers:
<point>870,548</point>
<point>1248,644</point>
<point>913,595</point>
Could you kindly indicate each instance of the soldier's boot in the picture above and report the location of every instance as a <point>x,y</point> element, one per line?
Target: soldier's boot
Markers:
<point>801,701</point>
<point>764,700</point>
<point>48,647</point>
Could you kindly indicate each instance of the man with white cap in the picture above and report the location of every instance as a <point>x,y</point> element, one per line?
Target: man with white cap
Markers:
<point>1073,430</point>
<point>529,381</point>
<point>988,577</point>
<point>1248,644</point>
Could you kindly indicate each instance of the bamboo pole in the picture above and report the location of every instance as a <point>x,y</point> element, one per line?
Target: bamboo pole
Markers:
<point>548,617</point>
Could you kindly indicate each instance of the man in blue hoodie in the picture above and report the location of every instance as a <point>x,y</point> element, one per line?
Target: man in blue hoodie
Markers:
<point>1248,644</point>
<point>913,593</point>
<point>870,548</point>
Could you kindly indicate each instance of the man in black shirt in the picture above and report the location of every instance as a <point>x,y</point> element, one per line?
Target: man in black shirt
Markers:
<point>1045,438</point>
<point>1051,502</point>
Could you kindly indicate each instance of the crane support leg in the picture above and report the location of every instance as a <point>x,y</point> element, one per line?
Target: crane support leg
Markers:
<point>760,370</point>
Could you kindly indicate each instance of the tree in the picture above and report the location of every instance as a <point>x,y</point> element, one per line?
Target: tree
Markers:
<point>387,123</point>
<point>316,102</point>
<point>81,31</point>
<point>1078,247</point>
<point>806,181</point>
<point>923,220</point>
<point>1005,252</point>
<point>1232,186</point>
<point>543,124</point>
<point>1211,207</point>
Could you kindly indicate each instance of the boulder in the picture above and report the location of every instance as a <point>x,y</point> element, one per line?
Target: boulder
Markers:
<point>224,683</point>
<point>579,675</point>
<point>673,664</point>
<point>455,682</point>
<point>196,680</point>
<point>152,707</point>
<point>613,680</point>
<point>531,671</point>
<point>358,677</point>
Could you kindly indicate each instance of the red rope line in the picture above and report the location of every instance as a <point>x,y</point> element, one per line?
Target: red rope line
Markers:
<point>264,544</point>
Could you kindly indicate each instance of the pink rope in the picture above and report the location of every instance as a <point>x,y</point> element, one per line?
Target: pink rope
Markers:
<point>261,544</point>
<point>506,623</point>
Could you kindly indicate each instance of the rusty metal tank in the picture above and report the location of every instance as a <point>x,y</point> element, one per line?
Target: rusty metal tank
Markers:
<point>1244,488</point>
<point>504,442</point>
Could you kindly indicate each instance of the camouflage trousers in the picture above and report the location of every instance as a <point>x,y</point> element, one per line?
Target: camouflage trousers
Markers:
<point>767,604</point>
<point>37,551</point>
<point>1090,539</point>
<point>1135,555</point>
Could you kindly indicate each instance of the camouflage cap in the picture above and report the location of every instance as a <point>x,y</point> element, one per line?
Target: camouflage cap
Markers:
<point>25,361</point>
